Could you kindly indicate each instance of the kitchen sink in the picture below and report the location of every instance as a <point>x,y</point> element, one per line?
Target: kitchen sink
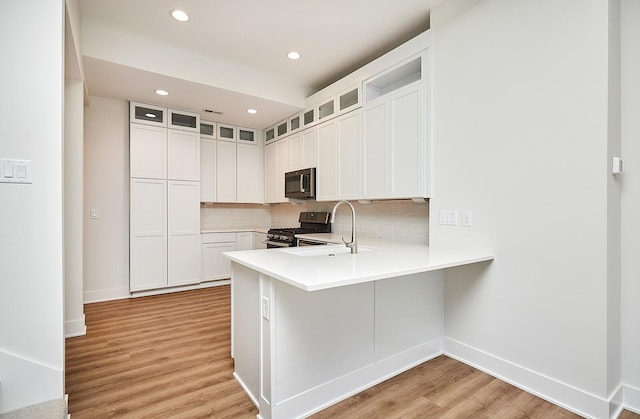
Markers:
<point>322,250</point>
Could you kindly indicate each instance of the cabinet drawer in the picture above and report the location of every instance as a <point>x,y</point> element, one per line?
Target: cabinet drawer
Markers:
<point>218,237</point>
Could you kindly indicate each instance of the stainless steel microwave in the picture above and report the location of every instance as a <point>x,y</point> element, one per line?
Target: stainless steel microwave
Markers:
<point>300,184</point>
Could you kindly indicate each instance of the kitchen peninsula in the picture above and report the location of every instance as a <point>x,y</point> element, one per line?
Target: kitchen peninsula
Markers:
<point>314,325</point>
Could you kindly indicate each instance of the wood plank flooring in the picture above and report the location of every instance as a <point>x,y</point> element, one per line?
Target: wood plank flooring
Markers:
<point>169,356</point>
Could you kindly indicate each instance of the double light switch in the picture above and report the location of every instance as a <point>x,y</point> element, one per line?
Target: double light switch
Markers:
<point>15,171</point>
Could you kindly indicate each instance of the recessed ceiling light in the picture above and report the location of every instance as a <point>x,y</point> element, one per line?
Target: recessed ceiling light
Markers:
<point>180,15</point>
<point>161,92</point>
<point>252,111</point>
<point>293,55</point>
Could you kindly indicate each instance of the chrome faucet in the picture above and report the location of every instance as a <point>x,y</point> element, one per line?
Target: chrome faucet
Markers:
<point>353,244</point>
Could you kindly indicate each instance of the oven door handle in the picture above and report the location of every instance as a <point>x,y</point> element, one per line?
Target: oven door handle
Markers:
<point>276,244</point>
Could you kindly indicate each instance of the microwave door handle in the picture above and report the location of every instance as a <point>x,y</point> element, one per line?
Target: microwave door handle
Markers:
<point>302,183</point>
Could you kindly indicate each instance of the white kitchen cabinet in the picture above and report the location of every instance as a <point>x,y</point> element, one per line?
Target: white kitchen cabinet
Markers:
<point>395,146</point>
<point>208,130</point>
<point>349,155</point>
<point>208,170</point>
<point>183,155</point>
<point>148,151</point>
<point>148,234</point>
<point>249,172</point>
<point>247,135</point>
<point>283,167</point>
<point>303,150</point>
<point>183,213</point>
<point>309,148</point>
<point>259,240</point>
<point>327,171</point>
<point>226,132</point>
<point>147,114</point>
<point>184,121</point>
<point>271,173</point>
<point>295,151</point>
<point>226,172</point>
<point>338,174</point>
<point>244,240</point>
<point>214,265</point>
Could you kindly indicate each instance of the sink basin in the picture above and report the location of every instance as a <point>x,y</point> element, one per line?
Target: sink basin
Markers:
<point>322,250</point>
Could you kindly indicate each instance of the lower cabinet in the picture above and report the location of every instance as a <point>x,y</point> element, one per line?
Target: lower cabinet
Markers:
<point>259,240</point>
<point>164,233</point>
<point>214,265</point>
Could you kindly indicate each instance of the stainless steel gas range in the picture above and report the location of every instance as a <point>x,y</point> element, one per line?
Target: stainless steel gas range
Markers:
<point>310,222</point>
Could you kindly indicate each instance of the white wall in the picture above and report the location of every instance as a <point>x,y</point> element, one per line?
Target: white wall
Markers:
<point>630,180</point>
<point>31,259</point>
<point>73,207</point>
<point>106,188</point>
<point>520,138</point>
<point>230,216</point>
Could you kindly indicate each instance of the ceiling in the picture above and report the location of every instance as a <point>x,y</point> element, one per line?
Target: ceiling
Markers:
<point>231,55</point>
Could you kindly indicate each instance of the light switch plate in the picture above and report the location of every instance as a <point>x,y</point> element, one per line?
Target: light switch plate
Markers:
<point>15,171</point>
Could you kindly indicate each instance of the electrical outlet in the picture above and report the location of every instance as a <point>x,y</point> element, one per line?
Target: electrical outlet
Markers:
<point>94,214</point>
<point>466,218</point>
<point>266,308</point>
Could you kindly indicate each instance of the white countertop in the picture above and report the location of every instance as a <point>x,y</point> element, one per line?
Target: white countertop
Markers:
<point>313,268</point>
<point>236,230</point>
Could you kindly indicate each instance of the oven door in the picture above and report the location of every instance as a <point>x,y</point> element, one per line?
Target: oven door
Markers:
<point>274,244</point>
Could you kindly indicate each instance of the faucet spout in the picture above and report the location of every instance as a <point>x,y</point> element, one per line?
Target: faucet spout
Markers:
<point>353,244</point>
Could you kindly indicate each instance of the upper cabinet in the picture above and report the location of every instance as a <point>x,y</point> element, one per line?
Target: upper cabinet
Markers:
<point>227,132</point>
<point>208,130</point>
<point>247,136</point>
<point>395,142</point>
<point>341,103</point>
<point>186,121</point>
<point>141,113</point>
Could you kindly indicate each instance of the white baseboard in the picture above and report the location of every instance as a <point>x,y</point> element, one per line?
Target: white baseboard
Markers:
<point>73,328</point>
<point>26,382</point>
<point>108,294</point>
<point>631,398</point>
<point>547,388</point>
<point>181,288</point>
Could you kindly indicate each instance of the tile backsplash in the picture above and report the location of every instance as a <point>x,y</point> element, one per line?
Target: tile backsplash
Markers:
<point>230,216</point>
<point>400,220</point>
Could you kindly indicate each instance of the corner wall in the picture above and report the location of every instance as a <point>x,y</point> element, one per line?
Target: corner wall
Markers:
<point>106,188</point>
<point>31,249</point>
<point>630,184</point>
<point>520,138</point>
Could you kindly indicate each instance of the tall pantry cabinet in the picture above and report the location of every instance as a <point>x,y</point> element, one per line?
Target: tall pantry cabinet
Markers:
<point>165,197</point>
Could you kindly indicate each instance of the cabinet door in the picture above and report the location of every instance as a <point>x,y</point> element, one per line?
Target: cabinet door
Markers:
<point>259,240</point>
<point>183,155</point>
<point>227,132</point>
<point>249,184</point>
<point>214,264</point>
<point>148,234</point>
<point>349,155</point>
<point>244,240</point>
<point>183,211</point>
<point>375,150</point>
<point>184,120</point>
<point>226,172</point>
<point>296,149</point>
<point>148,151</point>
<point>327,173</point>
<point>147,114</point>
<point>207,170</point>
<point>407,142</point>
<point>283,167</point>
<point>271,173</point>
<point>309,148</point>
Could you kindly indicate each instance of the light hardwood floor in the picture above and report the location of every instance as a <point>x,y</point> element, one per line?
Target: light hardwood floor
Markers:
<point>169,356</point>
